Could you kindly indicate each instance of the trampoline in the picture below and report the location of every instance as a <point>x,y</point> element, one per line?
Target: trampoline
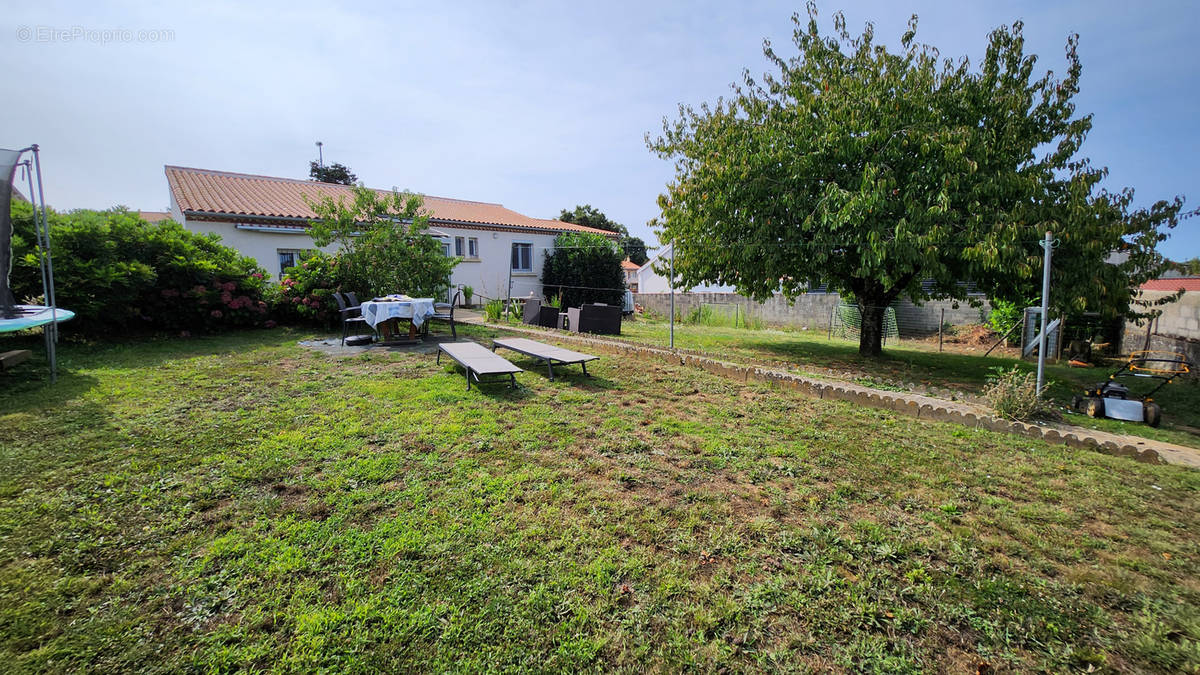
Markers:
<point>16,317</point>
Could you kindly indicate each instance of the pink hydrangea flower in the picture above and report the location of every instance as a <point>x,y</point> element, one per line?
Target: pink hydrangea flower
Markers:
<point>270,323</point>
<point>216,314</point>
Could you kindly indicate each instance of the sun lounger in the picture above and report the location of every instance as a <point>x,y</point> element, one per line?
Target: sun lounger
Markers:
<point>478,361</point>
<point>548,353</point>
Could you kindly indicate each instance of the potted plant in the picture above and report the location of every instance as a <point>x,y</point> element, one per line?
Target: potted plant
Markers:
<point>467,292</point>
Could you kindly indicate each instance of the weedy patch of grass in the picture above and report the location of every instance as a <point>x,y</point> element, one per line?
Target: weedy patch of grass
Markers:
<point>239,502</point>
<point>811,352</point>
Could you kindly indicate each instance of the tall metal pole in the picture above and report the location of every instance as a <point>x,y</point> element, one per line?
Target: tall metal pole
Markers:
<point>672,294</point>
<point>51,300</point>
<point>320,155</point>
<point>1048,244</point>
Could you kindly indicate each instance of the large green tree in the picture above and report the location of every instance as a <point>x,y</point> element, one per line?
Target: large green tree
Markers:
<point>875,170</point>
<point>590,216</point>
<point>384,242</point>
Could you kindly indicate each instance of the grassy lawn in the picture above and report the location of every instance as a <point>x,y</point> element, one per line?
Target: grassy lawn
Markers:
<point>240,502</point>
<point>811,352</point>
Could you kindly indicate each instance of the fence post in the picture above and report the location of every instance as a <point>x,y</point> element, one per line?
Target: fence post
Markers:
<point>941,322</point>
<point>672,284</point>
<point>1048,245</point>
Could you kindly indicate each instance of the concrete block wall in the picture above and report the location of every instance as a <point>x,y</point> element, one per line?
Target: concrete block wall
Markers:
<point>919,320</point>
<point>814,310</point>
<point>1177,329</point>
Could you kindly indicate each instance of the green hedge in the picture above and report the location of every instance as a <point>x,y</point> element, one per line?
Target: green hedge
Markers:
<point>121,274</point>
<point>582,268</point>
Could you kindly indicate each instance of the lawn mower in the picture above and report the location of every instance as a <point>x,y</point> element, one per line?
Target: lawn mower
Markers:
<point>1113,399</point>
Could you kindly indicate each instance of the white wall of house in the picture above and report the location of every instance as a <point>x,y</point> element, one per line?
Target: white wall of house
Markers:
<point>487,273</point>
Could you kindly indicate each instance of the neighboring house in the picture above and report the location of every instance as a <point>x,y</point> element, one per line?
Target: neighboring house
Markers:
<point>630,269</point>
<point>1172,284</point>
<point>650,280</point>
<point>154,216</point>
<point>267,219</point>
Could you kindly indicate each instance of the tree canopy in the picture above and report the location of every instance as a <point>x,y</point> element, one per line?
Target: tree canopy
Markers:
<point>875,170</point>
<point>589,216</point>
<point>584,267</point>
<point>334,173</point>
<point>385,247</point>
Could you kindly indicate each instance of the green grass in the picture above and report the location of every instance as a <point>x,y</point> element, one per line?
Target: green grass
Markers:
<point>811,352</point>
<point>239,502</point>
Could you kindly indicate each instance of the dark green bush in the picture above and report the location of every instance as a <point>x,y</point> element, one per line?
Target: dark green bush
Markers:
<point>121,274</point>
<point>584,267</point>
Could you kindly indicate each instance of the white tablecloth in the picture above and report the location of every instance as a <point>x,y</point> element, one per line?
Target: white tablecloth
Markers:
<point>417,309</point>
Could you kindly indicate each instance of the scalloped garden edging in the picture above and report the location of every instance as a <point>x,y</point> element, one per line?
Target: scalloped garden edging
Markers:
<point>912,405</point>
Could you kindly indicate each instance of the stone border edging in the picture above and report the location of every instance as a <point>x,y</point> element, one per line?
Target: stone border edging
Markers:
<point>912,405</point>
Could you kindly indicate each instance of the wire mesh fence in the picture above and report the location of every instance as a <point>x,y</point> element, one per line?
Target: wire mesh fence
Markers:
<point>846,321</point>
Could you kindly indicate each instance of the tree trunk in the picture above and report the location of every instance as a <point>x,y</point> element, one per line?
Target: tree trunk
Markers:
<point>870,334</point>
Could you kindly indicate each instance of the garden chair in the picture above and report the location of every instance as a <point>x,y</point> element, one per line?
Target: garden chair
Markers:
<point>351,314</point>
<point>444,312</point>
<point>547,353</point>
<point>538,315</point>
<point>531,311</point>
<point>596,318</point>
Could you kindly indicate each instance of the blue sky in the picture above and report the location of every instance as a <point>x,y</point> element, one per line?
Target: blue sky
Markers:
<point>538,106</point>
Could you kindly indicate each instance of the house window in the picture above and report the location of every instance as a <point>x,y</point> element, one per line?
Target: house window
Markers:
<point>445,247</point>
<point>522,257</point>
<point>472,247</point>
<point>458,246</point>
<point>287,259</point>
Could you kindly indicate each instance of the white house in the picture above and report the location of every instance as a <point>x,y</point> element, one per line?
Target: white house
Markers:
<point>266,218</point>
<point>649,280</point>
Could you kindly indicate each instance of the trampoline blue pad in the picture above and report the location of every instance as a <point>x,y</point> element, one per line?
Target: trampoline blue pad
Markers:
<point>32,316</point>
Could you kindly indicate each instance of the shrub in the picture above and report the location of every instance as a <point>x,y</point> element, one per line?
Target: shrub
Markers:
<point>493,310</point>
<point>1006,314</point>
<point>305,293</point>
<point>1013,395</point>
<point>121,274</point>
<point>584,267</point>
<point>467,292</point>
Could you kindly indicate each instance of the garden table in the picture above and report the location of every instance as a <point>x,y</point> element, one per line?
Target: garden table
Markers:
<point>383,314</point>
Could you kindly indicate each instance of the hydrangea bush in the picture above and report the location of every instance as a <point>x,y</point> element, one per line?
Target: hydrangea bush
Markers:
<point>121,274</point>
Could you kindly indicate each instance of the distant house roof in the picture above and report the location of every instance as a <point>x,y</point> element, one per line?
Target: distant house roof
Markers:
<point>1176,284</point>
<point>222,195</point>
<point>628,264</point>
<point>154,216</point>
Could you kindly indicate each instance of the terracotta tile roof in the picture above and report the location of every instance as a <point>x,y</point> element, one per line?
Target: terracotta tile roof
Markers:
<point>628,264</point>
<point>225,195</point>
<point>154,216</point>
<point>1184,283</point>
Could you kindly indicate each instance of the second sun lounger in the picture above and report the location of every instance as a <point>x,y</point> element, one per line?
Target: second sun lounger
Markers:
<point>548,353</point>
<point>477,361</point>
